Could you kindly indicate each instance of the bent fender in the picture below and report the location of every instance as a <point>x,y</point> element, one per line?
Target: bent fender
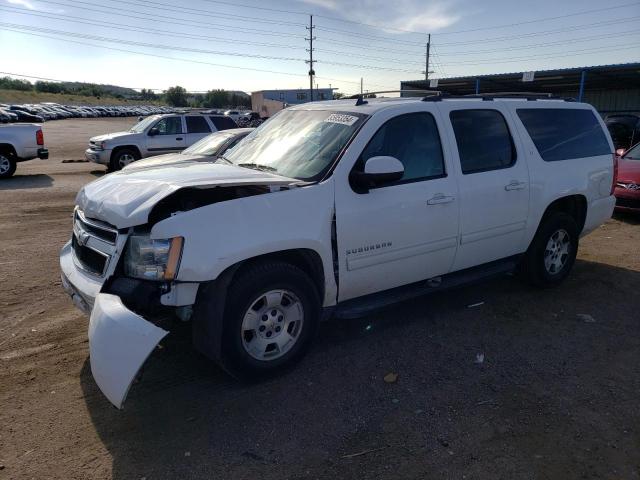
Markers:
<point>120,341</point>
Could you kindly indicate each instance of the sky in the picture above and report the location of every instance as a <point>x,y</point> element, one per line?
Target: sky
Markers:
<point>254,45</point>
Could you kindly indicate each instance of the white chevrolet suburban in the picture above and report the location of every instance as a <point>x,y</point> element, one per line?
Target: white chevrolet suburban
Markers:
<point>20,142</point>
<point>154,135</point>
<point>332,208</point>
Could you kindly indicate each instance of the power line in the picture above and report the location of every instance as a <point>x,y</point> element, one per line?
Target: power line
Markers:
<point>70,81</point>
<point>369,37</point>
<point>545,19</point>
<point>147,45</point>
<point>146,54</point>
<point>546,32</point>
<point>134,28</point>
<point>205,13</point>
<point>173,20</point>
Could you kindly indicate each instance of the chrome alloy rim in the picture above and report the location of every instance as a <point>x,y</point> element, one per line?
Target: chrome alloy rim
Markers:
<point>5,164</point>
<point>272,325</point>
<point>557,252</point>
<point>125,160</point>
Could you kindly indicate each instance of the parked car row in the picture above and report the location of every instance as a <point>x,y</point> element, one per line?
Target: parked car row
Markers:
<point>41,112</point>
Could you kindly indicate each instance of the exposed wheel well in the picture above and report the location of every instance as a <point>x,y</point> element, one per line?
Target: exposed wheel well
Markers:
<point>307,260</point>
<point>126,147</point>
<point>574,205</point>
<point>7,148</point>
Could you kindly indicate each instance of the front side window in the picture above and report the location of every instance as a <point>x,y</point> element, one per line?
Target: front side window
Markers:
<point>564,134</point>
<point>300,144</point>
<point>413,139</point>
<point>483,139</point>
<point>169,126</point>
<point>197,125</point>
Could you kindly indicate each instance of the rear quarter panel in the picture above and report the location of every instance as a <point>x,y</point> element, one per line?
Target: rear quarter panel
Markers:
<point>588,176</point>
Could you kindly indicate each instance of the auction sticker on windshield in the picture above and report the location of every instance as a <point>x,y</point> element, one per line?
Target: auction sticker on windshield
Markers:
<point>341,119</point>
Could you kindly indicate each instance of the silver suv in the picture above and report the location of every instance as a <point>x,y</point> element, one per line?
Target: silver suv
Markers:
<point>154,135</point>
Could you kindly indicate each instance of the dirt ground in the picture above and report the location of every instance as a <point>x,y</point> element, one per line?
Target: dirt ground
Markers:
<point>555,397</point>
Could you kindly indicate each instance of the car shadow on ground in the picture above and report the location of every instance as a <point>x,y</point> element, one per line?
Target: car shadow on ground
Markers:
<point>627,217</point>
<point>495,380</point>
<point>98,173</point>
<point>20,182</point>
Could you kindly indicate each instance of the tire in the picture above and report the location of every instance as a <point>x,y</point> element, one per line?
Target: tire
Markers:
<point>7,165</point>
<point>121,158</point>
<point>263,295</point>
<point>552,252</point>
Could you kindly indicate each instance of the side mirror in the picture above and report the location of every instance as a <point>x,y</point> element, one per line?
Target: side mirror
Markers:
<point>378,171</point>
<point>140,118</point>
<point>620,152</point>
<point>153,132</point>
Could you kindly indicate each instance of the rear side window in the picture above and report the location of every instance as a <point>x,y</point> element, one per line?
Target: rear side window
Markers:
<point>197,125</point>
<point>483,139</point>
<point>223,123</point>
<point>564,134</point>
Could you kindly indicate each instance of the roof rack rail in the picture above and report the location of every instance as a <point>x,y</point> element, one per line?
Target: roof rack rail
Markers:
<point>529,96</point>
<point>360,97</point>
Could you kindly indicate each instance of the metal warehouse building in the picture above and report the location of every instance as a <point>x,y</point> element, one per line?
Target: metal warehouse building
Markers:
<point>609,88</point>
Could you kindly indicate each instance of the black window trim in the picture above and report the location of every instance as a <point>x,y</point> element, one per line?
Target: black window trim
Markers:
<point>359,165</point>
<point>514,149</point>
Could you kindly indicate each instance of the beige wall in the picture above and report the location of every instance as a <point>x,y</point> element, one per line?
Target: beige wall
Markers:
<point>263,106</point>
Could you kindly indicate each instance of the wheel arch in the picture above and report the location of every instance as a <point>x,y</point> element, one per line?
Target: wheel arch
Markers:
<point>574,205</point>
<point>125,147</point>
<point>8,148</point>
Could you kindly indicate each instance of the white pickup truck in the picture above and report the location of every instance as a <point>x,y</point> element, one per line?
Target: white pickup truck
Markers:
<point>332,209</point>
<point>154,135</point>
<point>20,142</point>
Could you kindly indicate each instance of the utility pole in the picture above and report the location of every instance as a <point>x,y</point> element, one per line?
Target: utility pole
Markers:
<point>311,61</point>
<point>360,85</point>
<point>426,70</point>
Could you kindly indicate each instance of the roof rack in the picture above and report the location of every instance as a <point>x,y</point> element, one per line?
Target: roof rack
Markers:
<point>360,97</point>
<point>529,96</point>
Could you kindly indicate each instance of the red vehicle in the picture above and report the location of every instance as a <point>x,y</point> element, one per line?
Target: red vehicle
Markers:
<point>627,189</point>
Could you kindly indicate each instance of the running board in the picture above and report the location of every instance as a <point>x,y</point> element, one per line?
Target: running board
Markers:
<point>362,306</point>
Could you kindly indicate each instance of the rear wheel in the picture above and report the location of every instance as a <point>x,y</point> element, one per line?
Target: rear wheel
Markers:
<point>553,251</point>
<point>7,165</point>
<point>271,318</point>
<point>121,158</point>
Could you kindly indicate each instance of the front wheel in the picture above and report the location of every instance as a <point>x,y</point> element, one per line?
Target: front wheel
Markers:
<point>553,251</point>
<point>272,314</point>
<point>7,165</point>
<point>122,158</point>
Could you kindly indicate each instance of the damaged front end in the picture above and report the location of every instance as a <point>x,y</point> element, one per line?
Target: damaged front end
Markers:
<point>117,270</point>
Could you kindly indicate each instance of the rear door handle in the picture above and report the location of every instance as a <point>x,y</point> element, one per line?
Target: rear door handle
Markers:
<point>515,185</point>
<point>179,138</point>
<point>439,199</point>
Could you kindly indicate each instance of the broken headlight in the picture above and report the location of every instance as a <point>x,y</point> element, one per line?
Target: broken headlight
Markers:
<point>152,259</point>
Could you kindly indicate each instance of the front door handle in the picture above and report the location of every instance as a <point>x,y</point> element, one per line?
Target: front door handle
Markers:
<point>515,185</point>
<point>439,199</point>
<point>179,138</point>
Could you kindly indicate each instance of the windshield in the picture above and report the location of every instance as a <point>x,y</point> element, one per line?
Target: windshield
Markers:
<point>208,146</point>
<point>299,144</point>
<point>144,123</point>
<point>633,153</point>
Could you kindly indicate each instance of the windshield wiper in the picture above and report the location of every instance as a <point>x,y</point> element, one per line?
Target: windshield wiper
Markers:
<point>256,166</point>
<point>222,157</point>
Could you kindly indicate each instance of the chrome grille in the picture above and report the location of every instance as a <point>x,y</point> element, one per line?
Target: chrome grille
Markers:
<point>93,243</point>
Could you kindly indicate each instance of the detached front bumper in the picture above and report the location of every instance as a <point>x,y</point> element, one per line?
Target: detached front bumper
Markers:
<point>119,339</point>
<point>119,343</point>
<point>98,156</point>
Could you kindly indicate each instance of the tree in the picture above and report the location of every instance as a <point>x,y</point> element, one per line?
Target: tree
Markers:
<point>176,96</point>
<point>147,94</point>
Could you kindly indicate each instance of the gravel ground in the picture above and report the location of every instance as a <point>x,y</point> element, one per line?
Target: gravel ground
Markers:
<point>555,395</point>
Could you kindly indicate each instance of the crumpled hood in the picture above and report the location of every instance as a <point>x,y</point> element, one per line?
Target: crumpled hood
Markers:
<point>125,198</point>
<point>111,136</point>
<point>161,161</point>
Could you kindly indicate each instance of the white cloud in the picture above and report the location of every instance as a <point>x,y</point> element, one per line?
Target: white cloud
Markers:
<point>400,14</point>
<point>24,3</point>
